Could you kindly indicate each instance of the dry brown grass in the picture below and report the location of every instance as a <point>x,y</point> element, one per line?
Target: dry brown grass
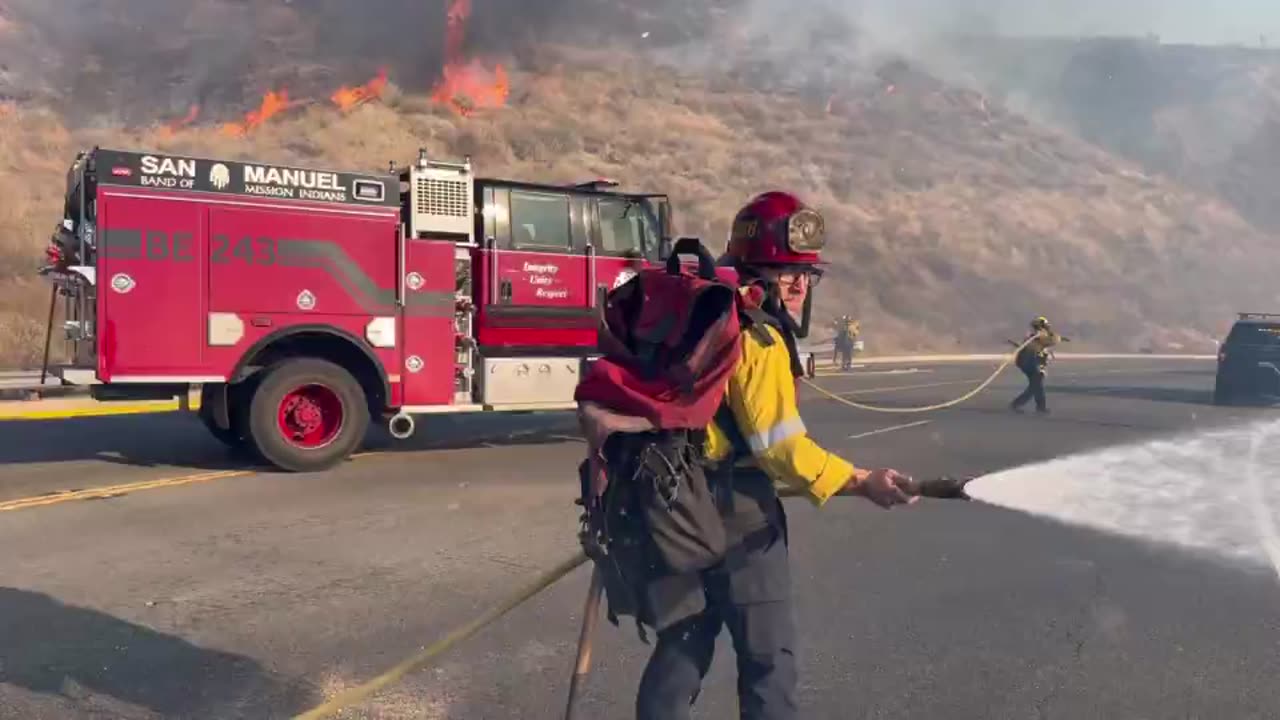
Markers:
<point>952,223</point>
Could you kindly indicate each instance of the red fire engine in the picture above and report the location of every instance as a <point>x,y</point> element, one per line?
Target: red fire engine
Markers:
<point>306,303</point>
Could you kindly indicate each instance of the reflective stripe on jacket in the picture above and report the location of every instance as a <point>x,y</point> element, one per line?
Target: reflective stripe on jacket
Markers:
<point>762,398</point>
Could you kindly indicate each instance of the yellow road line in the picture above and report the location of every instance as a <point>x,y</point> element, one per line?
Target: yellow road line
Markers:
<point>100,410</point>
<point>116,490</point>
<point>108,491</point>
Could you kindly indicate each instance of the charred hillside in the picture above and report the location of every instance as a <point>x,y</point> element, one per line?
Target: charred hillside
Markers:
<point>953,217</point>
<point>129,62</point>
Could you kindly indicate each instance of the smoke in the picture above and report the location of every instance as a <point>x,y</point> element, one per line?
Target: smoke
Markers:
<point>1117,73</point>
<point>135,60</point>
<point>1213,493</point>
<point>1197,115</point>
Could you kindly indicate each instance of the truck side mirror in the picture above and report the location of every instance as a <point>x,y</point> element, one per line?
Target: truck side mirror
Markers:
<point>664,229</point>
<point>664,249</point>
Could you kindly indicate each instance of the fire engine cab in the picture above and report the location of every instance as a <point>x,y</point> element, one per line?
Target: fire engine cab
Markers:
<point>306,303</point>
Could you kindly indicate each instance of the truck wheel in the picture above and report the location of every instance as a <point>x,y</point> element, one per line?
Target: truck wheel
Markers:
<point>307,415</point>
<point>1222,396</point>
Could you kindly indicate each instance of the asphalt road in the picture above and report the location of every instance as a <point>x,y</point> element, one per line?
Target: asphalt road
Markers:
<point>260,595</point>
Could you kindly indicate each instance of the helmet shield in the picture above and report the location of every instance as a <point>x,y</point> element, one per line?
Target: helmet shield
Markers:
<point>806,231</point>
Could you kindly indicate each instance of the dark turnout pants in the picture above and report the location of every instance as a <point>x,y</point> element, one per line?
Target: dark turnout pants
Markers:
<point>750,596</point>
<point>1035,384</point>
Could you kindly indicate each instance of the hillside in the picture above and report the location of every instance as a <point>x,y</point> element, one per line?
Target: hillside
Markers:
<point>1206,117</point>
<point>952,219</point>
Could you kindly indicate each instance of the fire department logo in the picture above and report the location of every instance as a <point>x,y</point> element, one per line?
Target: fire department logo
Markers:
<point>122,283</point>
<point>623,277</point>
<point>220,176</point>
<point>415,281</point>
<point>306,300</point>
<point>413,363</point>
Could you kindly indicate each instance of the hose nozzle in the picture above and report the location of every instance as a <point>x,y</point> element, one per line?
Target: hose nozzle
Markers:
<point>944,487</point>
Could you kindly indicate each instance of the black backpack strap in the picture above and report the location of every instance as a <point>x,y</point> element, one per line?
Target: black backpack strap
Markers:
<point>755,320</point>
<point>738,448</point>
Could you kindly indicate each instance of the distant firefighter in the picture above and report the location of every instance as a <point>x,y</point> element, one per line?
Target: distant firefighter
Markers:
<point>847,330</point>
<point>1033,361</point>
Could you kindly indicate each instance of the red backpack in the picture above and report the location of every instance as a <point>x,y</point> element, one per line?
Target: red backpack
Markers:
<point>670,339</point>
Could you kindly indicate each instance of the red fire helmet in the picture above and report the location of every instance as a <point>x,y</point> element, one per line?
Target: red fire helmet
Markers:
<point>776,228</point>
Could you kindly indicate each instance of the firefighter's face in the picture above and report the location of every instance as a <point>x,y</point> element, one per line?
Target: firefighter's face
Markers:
<point>794,286</point>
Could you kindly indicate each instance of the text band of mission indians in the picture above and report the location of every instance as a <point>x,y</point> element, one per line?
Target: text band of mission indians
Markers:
<point>173,172</point>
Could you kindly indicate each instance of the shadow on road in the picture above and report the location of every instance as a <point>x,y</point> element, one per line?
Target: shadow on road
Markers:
<point>161,439</point>
<point>180,440</point>
<point>51,648</point>
<point>1186,396</point>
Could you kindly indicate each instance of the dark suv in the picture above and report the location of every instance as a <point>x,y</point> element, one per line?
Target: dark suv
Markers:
<point>1249,361</point>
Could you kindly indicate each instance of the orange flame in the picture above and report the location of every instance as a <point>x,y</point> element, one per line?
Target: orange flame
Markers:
<point>174,126</point>
<point>347,98</point>
<point>272,104</point>
<point>470,87</point>
<point>467,86</point>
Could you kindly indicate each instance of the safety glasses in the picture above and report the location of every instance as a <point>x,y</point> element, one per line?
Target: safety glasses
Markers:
<point>800,277</point>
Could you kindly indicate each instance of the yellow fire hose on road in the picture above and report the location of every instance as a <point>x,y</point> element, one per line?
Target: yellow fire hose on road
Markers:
<point>927,408</point>
<point>362,692</point>
<point>359,694</point>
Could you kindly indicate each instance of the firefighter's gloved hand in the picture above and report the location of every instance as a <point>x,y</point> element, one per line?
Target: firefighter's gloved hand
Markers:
<point>885,487</point>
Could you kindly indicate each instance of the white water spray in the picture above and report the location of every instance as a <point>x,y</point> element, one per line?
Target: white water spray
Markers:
<point>1212,492</point>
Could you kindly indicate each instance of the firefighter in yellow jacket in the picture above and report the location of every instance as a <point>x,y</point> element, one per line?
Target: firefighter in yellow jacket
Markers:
<point>758,440</point>
<point>1033,361</point>
<point>847,330</point>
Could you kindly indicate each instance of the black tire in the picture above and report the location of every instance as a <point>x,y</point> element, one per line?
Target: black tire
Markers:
<point>1221,396</point>
<point>333,393</point>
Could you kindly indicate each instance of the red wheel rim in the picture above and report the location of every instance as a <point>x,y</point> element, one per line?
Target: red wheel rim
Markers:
<point>310,416</point>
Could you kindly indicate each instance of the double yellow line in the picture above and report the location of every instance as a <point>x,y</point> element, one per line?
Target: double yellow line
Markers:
<point>109,491</point>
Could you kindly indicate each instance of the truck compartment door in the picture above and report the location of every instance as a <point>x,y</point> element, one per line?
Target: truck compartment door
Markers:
<point>428,344</point>
<point>151,287</point>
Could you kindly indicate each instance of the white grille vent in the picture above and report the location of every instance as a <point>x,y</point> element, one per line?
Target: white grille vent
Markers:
<point>447,198</point>
<point>442,202</point>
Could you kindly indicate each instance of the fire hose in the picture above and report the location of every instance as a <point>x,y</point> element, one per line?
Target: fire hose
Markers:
<point>947,488</point>
<point>944,487</point>
<point>927,408</point>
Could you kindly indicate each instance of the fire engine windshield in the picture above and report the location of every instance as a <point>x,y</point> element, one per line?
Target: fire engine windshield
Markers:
<point>629,226</point>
